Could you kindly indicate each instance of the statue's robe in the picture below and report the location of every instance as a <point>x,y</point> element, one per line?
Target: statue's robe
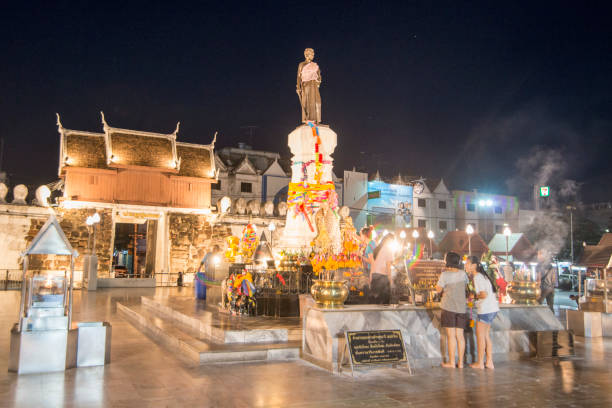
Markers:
<point>308,81</point>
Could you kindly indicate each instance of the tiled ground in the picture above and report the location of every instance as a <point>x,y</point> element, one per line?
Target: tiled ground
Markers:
<point>142,374</point>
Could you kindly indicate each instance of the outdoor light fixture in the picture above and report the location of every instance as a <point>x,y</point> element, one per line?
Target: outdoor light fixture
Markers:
<point>91,221</point>
<point>395,246</point>
<point>489,203</point>
<point>415,234</point>
<point>403,234</point>
<point>430,235</point>
<point>271,228</point>
<point>385,232</point>
<point>469,230</point>
<point>374,234</point>
<point>507,233</point>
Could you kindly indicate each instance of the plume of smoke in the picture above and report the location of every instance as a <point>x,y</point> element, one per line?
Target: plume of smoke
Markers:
<point>546,167</point>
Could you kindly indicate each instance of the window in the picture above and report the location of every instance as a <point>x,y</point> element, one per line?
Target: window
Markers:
<point>246,187</point>
<point>216,186</point>
<point>498,210</point>
<point>470,207</point>
<point>422,202</point>
<point>499,229</point>
<point>93,180</point>
<point>443,226</point>
<point>422,223</point>
<point>442,205</point>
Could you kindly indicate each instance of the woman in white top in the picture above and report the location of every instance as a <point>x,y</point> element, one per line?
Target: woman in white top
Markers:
<point>487,307</point>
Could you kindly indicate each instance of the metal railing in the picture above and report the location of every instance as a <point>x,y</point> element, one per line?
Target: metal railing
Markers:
<point>10,279</point>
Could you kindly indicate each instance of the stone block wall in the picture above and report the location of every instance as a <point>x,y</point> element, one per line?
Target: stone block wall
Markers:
<point>73,224</point>
<point>191,236</point>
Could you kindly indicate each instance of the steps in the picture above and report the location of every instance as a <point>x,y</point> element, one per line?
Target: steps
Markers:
<point>202,338</point>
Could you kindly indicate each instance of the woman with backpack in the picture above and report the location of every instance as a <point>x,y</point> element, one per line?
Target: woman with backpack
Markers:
<point>487,307</point>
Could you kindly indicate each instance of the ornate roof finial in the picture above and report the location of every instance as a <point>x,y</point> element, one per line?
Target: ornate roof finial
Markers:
<point>59,122</point>
<point>104,121</point>
<point>214,140</point>
<point>178,125</point>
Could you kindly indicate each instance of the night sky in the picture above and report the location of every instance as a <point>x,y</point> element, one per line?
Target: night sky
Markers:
<point>480,94</point>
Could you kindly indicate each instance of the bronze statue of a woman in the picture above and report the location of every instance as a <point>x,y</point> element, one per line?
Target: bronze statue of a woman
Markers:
<point>307,88</point>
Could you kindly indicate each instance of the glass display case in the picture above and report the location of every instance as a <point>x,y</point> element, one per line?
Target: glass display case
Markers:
<point>594,295</point>
<point>46,292</point>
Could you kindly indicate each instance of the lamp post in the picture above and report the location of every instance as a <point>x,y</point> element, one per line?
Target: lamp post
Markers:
<point>430,235</point>
<point>469,230</point>
<point>271,228</point>
<point>415,235</point>
<point>507,233</point>
<point>571,209</point>
<point>91,221</point>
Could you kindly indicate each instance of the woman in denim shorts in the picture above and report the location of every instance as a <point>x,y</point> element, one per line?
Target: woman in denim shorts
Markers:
<point>487,307</point>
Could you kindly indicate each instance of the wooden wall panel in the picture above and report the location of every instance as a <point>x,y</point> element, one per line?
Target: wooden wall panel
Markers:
<point>190,193</point>
<point>131,186</point>
<point>90,184</point>
<point>142,187</point>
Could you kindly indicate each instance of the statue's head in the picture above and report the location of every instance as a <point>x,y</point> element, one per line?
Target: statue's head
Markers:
<point>309,54</point>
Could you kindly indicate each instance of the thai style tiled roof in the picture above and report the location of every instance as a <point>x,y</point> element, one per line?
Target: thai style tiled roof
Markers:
<point>196,160</point>
<point>125,148</point>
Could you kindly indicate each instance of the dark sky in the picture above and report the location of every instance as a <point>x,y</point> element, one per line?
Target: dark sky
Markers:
<point>468,92</point>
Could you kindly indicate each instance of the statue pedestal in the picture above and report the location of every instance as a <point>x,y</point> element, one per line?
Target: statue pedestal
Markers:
<point>299,232</point>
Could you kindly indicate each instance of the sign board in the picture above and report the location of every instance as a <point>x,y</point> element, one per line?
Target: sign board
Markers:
<point>373,194</point>
<point>376,347</point>
<point>544,191</point>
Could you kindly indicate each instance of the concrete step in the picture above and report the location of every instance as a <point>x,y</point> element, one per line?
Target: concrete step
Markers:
<point>181,339</point>
<point>221,327</point>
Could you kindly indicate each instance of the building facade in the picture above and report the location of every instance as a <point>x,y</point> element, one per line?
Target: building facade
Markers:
<point>487,213</point>
<point>432,208</point>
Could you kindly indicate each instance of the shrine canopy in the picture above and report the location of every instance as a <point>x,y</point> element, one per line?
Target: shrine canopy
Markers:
<point>50,240</point>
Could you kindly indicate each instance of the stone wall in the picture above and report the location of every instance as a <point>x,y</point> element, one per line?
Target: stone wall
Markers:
<point>191,236</point>
<point>73,224</point>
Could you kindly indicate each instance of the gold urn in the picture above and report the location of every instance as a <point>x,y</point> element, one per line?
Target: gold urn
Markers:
<point>329,294</point>
<point>524,292</point>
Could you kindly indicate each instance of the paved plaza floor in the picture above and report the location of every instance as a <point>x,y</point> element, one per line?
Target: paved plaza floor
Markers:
<point>143,374</point>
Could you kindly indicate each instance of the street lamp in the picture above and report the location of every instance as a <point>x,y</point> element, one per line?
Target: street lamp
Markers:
<point>415,235</point>
<point>430,235</point>
<point>507,233</point>
<point>403,234</point>
<point>91,221</point>
<point>571,210</point>
<point>271,228</point>
<point>469,230</point>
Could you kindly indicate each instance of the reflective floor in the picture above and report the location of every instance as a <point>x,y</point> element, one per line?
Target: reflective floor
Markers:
<point>143,374</point>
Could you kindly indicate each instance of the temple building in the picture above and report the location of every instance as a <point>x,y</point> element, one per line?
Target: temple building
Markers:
<point>153,195</point>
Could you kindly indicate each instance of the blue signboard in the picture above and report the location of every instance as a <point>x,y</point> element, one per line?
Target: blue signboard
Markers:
<point>392,199</point>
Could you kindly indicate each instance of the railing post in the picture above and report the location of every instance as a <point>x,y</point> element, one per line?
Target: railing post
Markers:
<point>6,280</point>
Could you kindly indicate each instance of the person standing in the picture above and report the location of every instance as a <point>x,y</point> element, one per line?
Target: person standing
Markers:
<point>548,279</point>
<point>208,262</point>
<point>487,307</point>
<point>370,245</point>
<point>380,277</point>
<point>452,284</point>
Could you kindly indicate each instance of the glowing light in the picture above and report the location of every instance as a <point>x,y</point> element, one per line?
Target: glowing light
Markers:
<point>469,229</point>
<point>430,234</point>
<point>403,234</point>
<point>415,234</point>
<point>225,203</point>
<point>489,203</point>
<point>481,203</point>
<point>385,232</point>
<point>395,246</point>
<point>216,260</point>
<point>272,226</point>
<point>507,231</point>
<point>374,234</point>
<point>96,217</point>
<point>89,221</point>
